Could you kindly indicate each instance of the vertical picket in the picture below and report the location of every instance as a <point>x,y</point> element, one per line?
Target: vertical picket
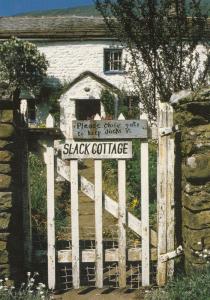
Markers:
<point>49,159</point>
<point>75,223</point>
<point>145,213</point>
<point>122,218</point>
<point>170,194</point>
<point>98,220</point>
<point>165,193</point>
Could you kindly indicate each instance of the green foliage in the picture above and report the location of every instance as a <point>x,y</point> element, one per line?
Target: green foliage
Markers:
<point>161,41</point>
<point>133,179</point>
<point>127,105</point>
<point>193,287</point>
<point>108,100</point>
<point>21,64</point>
<point>38,185</point>
<point>51,90</point>
<point>38,189</point>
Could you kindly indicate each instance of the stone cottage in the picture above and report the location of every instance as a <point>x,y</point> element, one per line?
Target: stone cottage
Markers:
<point>81,53</point>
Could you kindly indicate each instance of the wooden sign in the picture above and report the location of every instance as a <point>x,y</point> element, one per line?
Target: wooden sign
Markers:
<point>97,150</point>
<point>110,129</point>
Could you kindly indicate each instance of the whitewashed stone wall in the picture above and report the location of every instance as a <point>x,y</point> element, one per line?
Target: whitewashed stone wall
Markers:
<point>69,59</point>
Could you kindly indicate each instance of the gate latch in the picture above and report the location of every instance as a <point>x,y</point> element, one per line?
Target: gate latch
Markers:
<point>168,130</point>
<point>170,255</point>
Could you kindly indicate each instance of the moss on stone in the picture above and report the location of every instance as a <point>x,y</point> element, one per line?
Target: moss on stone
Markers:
<point>5,169</point>
<point>4,221</point>
<point>6,156</point>
<point>5,181</point>
<point>6,116</point>
<point>6,131</point>
<point>199,220</point>
<point>5,201</point>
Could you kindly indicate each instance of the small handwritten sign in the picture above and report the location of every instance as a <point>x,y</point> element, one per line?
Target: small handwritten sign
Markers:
<point>97,150</point>
<point>110,129</point>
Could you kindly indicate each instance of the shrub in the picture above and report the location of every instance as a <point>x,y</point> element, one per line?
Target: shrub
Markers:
<point>192,287</point>
<point>31,290</point>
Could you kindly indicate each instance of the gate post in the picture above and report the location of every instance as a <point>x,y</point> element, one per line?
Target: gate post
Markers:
<point>165,192</point>
<point>49,160</point>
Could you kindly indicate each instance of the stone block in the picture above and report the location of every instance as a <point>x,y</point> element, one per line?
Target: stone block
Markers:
<point>4,257</point>
<point>5,201</point>
<point>6,116</point>
<point>3,245</point>
<point>4,221</point>
<point>198,220</point>
<point>4,270</point>
<point>6,156</point>
<point>5,181</point>
<point>7,145</point>
<point>6,131</point>
<point>5,168</point>
<point>197,202</point>
<point>4,236</point>
<point>197,168</point>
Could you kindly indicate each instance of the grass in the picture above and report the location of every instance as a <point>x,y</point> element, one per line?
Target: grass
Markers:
<point>192,287</point>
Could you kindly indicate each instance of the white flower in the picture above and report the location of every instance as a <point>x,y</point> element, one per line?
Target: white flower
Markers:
<point>32,279</point>
<point>199,243</point>
<point>28,274</point>
<point>6,278</point>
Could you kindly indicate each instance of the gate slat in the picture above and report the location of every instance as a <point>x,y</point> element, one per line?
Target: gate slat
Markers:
<point>98,220</point>
<point>122,222</point>
<point>49,160</point>
<point>145,213</point>
<point>110,205</point>
<point>162,195</point>
<point>122,219</point>
<point>170,195</point>
<point>75,223</point>
<point>98,223</point>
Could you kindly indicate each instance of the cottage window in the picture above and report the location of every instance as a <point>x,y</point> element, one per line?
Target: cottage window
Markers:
<point>113,60</point>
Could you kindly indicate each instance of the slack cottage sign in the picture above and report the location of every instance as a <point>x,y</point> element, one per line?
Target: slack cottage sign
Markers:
<point>103,130</point>
<point>97,150</point>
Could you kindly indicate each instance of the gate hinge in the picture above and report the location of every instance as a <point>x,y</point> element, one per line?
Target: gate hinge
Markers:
<point>170,255</point>
<point>168,130</point>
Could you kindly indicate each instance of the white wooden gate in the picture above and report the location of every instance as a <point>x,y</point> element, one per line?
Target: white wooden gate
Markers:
<point>154,246</point>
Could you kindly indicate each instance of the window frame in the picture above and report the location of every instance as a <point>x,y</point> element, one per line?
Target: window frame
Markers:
<point>112,51</point>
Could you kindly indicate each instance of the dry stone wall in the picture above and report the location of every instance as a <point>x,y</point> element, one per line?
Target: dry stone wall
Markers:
<point>10,201</point>
<point>193,116</point>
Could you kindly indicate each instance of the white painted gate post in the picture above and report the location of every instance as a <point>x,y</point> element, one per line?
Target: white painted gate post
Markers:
<point>74,180</point>
<point>98,220</point>
<point>49,160</point>
<point>165,193</point>
<point>122,218</point>
<point>75,223</point>
<point>145,213</point>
